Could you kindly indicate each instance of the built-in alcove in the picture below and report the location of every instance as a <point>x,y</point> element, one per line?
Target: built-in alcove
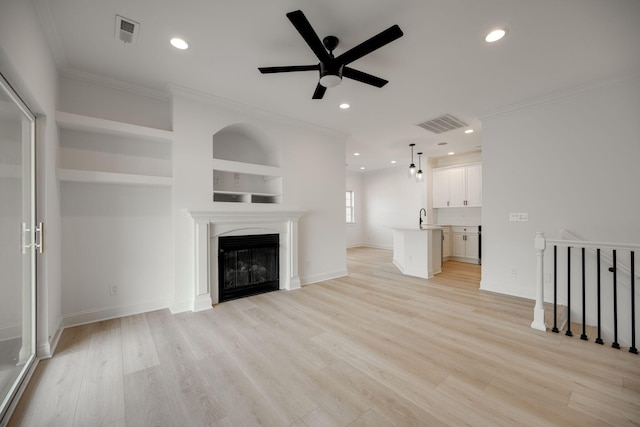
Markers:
<point>246,166</point>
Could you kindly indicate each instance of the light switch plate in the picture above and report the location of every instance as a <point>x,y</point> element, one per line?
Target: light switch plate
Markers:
<point>519,217</point>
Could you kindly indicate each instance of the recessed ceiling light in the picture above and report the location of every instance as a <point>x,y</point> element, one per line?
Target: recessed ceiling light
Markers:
<point>362,168</point>
<point>356,154</point>
<point>442,143</point>
<point>451,153</point>
<point>393,162</point>
<point>468,131</point>
<point>178,43</point>
<point>495,35</point>
<point>344,105</point>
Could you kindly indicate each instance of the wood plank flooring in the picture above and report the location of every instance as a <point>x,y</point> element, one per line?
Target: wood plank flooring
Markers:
<point>375,348</point>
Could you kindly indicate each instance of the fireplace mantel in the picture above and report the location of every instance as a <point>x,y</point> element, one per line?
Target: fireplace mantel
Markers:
<point>209,225</point>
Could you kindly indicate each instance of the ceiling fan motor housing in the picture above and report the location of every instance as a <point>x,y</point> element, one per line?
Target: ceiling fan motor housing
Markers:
<point>331,74</point>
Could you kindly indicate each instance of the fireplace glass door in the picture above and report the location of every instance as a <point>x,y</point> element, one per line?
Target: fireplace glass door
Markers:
<point>247,265</point>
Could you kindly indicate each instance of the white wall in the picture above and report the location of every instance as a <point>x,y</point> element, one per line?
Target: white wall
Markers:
<point>355,232</point>
<point>25,60</point>
<point>313,181</point>
<point>391,200</point>
<point>114,234</point>
<point>571,163</point>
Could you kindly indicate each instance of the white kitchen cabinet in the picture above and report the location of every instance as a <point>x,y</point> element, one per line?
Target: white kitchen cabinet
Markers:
<point>466,244</point>
<point>446,242</point>
<point>459,186</point>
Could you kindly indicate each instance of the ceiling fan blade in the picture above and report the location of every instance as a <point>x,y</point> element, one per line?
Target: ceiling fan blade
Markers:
<point>309,35</point>
<point>288,69</point>
<point>387,36</point>
<point>319,92</point>
<point>363,77</point>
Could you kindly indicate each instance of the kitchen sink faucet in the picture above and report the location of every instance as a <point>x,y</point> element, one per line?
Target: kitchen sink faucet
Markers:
<point>420,214</point>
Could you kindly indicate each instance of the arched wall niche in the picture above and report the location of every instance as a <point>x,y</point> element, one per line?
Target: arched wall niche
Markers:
<point>246,143</point>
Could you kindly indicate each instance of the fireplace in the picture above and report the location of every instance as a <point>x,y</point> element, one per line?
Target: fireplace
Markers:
<point>211,226</point>
<point>248,265</point>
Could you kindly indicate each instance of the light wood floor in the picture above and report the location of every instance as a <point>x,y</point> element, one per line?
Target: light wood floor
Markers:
<point>372,349</point>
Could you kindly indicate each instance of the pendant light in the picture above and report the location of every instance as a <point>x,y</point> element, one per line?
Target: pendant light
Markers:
<point>419,174</point>
<point>412,166</point>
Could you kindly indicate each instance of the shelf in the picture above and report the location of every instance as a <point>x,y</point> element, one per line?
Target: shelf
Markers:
<point>245,197</point>
<point>92,124</point>
<point>73,175</point>
<point>246,168</point>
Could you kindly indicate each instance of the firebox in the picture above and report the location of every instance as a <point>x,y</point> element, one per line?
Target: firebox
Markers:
<point>248,265</point>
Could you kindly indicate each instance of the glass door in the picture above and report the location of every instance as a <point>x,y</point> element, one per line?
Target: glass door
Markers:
<point>19,237</point>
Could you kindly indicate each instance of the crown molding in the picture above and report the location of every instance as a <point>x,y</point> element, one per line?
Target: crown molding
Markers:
<point>110,83</point>
<point>228,104</point>
<point>557,96</point>
<point>45,16</point>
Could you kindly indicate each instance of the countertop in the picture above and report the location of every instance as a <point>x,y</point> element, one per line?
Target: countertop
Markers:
<point>424,227</point>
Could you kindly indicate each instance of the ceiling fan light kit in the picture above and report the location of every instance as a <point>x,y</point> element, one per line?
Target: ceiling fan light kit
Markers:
<point>332,69</point>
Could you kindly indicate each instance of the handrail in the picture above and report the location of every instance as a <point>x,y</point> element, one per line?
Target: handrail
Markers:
<point>594,245</point>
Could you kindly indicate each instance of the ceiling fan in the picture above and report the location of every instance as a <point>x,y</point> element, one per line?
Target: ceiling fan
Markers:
<point>332,69</point>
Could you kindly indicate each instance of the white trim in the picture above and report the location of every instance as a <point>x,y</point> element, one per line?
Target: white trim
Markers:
<point>308,280</point>
<point>45,16</point>
<point>110,83</point>
<point>10,331</point>
<point>245,109</point>
<point>554,97</point>
<point>209,225</point>
<point>106,313</point>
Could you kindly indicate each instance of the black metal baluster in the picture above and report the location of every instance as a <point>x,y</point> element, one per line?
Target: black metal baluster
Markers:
<point>583,336</point>
<point>633,348</point>
<point>615,302</point>
<point>555,289</point>
<point>599,339</point>
<point>569,333</point>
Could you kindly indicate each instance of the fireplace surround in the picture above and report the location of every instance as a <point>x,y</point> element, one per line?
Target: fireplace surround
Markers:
<point>209,226</point>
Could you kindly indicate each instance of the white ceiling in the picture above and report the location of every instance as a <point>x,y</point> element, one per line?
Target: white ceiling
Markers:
<point>441,65</point>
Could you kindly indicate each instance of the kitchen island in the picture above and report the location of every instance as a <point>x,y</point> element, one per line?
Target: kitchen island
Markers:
<point>418,251</point>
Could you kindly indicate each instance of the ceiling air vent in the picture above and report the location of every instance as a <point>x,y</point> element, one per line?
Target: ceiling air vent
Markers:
<point>443,124</point>
<point>126,29</point>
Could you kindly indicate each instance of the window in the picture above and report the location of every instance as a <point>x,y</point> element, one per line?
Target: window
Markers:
<point>351,219</point>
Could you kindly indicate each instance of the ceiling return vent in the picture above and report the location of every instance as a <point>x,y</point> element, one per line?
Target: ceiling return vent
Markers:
<point>126,30</point>
<point>442,124</point>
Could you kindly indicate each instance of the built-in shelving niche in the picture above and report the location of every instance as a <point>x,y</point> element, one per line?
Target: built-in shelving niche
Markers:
<point>245,167</point>
<point>95,150</point>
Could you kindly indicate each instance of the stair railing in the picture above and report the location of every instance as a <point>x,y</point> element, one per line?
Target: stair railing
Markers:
<point>625,250</point>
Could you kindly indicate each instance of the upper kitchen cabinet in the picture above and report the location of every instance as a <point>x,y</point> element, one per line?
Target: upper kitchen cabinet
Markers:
<point>459,186</point>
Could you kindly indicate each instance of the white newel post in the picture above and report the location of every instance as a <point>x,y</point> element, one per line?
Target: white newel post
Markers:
<point>538,311</point>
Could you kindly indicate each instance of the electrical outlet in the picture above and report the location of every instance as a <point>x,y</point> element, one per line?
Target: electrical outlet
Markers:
<point>113,289</point>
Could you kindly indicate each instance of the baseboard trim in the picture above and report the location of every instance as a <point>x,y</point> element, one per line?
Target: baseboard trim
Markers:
<point>107,313</point>
<point>10,332</point>
<point>307,280</point>
<point>48,349</point>
<point>181,307</point>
